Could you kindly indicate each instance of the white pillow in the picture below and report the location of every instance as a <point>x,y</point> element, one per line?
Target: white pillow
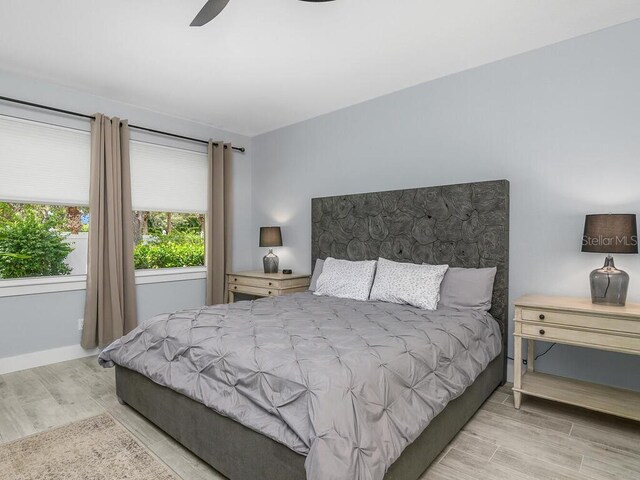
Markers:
<point>417,285</point>
<point>345,279</point>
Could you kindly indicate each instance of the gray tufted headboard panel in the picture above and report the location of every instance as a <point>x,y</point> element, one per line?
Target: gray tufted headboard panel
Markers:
<point>465,225</point>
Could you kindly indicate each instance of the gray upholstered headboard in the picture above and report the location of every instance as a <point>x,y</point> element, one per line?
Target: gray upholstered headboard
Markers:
<point>465,225</point>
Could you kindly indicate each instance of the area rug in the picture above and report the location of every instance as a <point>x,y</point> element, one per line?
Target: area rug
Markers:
<point>98,448</point>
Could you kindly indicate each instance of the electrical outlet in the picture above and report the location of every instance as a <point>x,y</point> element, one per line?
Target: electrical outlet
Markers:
<point>80,323</point>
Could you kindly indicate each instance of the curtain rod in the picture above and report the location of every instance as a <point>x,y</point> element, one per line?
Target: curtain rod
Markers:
<point>91,117</point>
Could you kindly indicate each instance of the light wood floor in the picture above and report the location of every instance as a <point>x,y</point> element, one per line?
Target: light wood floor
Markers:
<point>542,441</point>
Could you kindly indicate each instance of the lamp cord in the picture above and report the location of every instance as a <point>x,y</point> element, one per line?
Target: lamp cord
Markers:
<point>524,360</point>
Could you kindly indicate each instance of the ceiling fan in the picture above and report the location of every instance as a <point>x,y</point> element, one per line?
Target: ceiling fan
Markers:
<point>212,8</point>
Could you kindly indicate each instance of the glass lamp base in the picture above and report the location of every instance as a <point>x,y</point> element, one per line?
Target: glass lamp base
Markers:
<point>271,262</point>
<point>609,285</point>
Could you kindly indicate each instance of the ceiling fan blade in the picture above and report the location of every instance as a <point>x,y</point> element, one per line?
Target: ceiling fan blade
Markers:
<point>210,11</point>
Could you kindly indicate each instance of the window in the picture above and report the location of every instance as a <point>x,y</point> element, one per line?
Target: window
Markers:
<point>168,240</point>
<point>169,196</point>
<point>42,240</point>
<point>44,190</point>
<point>44,183</point>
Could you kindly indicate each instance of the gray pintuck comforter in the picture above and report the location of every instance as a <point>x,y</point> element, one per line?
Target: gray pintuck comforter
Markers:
<point>349,384</point>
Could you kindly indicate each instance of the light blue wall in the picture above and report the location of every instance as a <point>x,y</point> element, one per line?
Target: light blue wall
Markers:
<point>31,323</point>
<point>561,123</point>
<point>40,322</point>
<point>157,298</point>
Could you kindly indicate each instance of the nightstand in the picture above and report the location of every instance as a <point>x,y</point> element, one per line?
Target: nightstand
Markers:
<point>575,321</point>
<point>263,284</point>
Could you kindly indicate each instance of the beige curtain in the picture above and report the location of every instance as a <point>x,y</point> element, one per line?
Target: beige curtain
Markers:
<point>217,239</point>
<point>110,310</point>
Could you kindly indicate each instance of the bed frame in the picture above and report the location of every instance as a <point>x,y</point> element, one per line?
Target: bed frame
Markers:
<point>465,225</point>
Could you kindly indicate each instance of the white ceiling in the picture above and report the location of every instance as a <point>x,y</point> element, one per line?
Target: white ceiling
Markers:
<point>263,64</point>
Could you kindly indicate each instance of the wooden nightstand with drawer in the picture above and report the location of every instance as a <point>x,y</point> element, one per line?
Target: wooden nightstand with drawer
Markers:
<point>263,284</point>
<point>575,321</point>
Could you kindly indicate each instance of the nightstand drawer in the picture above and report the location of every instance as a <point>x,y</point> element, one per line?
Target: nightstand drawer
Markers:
<point>585,321</point>
<point>252,281</point>
<point>549,333</point>
<point>249,290</point>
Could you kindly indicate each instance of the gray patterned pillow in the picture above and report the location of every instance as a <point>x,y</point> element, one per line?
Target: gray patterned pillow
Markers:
<point>345,279</point>
<point>417,285</point>
<point>468,288</point>
<point>317,270</point>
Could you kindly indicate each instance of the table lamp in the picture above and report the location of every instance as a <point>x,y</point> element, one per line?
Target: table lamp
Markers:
<point>612,233</point>
<point>270,237</point>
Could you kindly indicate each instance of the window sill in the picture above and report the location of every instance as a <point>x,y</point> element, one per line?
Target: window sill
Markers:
<point>35,285</point>
<point>145,277</point>
<point>39,285</point>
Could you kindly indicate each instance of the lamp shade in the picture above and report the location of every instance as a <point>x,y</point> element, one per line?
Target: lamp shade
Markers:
<point>270,237</point>
<point>612,233</point>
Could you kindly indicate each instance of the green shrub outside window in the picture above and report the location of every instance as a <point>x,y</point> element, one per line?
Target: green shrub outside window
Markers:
<point>170,251</point>
<point>30,247</point>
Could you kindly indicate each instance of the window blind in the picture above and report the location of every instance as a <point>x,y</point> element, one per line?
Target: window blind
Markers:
<point>42,163</point>
<point>168,179</point>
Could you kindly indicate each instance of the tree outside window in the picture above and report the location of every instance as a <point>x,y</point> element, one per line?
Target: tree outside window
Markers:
<point>168,240</point>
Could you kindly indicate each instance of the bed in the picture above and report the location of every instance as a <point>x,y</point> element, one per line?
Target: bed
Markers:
<point>316,387</point>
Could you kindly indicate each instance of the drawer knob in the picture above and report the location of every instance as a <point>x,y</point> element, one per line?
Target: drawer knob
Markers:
<point>269,292</point>
<point>542,332</point>
<point>270,283</point>
<point>541,317</point>
<point>235,279</point>
<point>235,288</point>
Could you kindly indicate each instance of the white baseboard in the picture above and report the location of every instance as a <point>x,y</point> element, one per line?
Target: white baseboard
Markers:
<point>44,357</point>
